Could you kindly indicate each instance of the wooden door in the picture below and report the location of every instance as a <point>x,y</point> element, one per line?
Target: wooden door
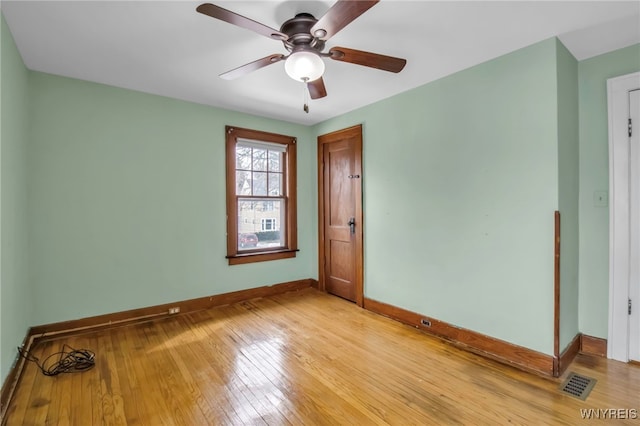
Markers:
<point>340,213</point>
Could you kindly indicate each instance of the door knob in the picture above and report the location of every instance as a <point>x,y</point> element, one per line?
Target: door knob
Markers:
<point>352,224</point>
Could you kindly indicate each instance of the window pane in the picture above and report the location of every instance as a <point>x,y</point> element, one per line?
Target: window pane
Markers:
<point>259,183</point>
<point>243,158</point>
<point>275,160</point>
<point>243,183</point>
<point>266,224</point>
<point>260,159</point>
<point>258,226</point>
<point>275,184</point>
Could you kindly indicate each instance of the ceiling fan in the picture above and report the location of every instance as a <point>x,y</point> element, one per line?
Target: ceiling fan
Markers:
<point>304,37</point>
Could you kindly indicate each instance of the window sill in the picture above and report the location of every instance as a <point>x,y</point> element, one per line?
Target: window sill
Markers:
<point>240,259</point>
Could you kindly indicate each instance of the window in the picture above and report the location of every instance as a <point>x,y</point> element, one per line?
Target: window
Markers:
<point>261,196</point>
<point>268,224</point>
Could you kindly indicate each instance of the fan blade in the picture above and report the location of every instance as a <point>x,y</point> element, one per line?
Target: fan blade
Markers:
<point>317,89</point>
<point>341,14</point>
<point>251,66</point>
<point>368,59</point>
<point>239,20</point>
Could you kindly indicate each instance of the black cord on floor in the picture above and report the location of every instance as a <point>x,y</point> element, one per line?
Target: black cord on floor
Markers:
<point>69,360</point>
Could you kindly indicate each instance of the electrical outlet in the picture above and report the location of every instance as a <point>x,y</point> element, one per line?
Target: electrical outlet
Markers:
<point>174,310</point>
<point>425,322</point>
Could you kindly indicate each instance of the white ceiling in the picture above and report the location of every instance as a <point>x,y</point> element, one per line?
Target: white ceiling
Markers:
<point>167,48</point>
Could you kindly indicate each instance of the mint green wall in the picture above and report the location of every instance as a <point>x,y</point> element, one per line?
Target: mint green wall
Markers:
<point>128,201</point>
<point>568,192</point>
<point>461,181</point>
<point>16,296</point>
<point>594,176</point>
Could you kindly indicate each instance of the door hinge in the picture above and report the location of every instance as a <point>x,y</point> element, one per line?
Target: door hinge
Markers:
<point>630,128</point>
<point>629,306</point>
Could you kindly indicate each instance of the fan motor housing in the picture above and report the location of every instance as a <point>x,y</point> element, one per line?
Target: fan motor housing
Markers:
<point>298,29</point>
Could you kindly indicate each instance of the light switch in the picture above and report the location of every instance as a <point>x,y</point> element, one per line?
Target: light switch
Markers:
<point>600,198</point>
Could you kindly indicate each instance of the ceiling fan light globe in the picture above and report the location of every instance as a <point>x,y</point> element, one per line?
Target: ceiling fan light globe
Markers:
<point>304,66</point>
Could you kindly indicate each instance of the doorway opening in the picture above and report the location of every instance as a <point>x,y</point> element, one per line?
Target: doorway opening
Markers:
<point>623,94</point>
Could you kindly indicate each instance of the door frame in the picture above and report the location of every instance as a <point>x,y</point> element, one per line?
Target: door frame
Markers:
<point>359,216</point>
<point>618,89</point>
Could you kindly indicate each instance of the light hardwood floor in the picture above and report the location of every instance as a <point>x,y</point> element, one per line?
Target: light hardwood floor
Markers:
<point>299,358</point>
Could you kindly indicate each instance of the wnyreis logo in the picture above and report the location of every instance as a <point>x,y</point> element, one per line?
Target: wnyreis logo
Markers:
<point>609,413</point>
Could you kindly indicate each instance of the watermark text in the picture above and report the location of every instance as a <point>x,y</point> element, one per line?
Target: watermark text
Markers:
<point>609,413</point>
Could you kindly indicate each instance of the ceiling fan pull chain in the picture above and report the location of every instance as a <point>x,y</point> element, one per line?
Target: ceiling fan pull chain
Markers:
<point>305,99</point>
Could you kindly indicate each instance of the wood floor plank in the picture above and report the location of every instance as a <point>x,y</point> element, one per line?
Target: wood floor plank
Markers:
<point>180,344</point>
<point>168,386</point>
<point>81,411</point>
<point>300,358</point>
<point>274,397</point>
<point>40,394</point>
<point>330,374</point>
